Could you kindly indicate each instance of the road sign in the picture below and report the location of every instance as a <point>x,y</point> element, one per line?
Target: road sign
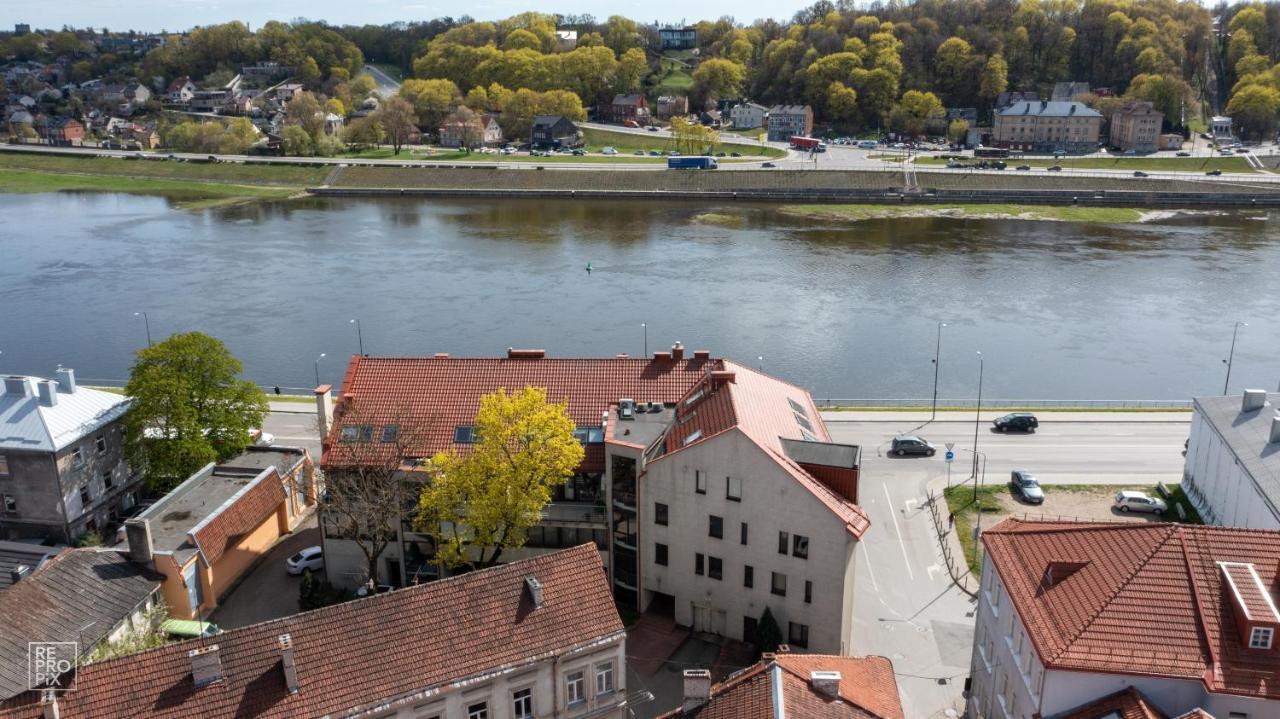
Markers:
<point>950,455</point>
<point>951,446</point>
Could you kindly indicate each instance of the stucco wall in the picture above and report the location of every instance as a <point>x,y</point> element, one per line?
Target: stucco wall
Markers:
<point>1221,485</point>
<point>241,556</point>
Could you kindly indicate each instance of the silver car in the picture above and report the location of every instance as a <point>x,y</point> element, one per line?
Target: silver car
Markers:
<point>1026,486</point>
<point>1130,501</point>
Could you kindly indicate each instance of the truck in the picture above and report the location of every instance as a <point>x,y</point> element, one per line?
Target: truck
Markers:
<point>692,163</point>
<point>808,144</point>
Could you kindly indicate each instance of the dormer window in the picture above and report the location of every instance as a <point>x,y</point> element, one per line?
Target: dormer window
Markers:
<point>1260,638</point>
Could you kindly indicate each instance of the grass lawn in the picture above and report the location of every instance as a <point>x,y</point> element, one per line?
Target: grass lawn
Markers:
<point>287,175</point>
<point>1070,213</point>
<point>628,142</point>
<point>187,194</point>
<point>676,77</point>
<point>960,502</point>
<point>1151,164</point>
<point>385,153</point>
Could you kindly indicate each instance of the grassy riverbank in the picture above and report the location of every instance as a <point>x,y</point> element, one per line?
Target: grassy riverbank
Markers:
<point>854,213</point>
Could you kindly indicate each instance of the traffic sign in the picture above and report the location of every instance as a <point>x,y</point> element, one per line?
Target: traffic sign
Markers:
<point>951,446</point>
<point>950,455</point>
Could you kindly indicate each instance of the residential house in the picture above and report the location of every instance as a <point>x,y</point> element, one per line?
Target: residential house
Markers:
<point>784,121</point>
<point>669,106</point>
<point>1071,612</point>
<point>88,596</point>
<point>203,100</point>
<point>710,118</point>
<point>796,686</point>
<point>180,91</point>
<point>1046,126</point>
<point>1136,126</point>
<point>1232,470</point>
<point>470,130</point>
<point>554,131</point>
<point>210,530</point>
<point>747,115</point>
<point>62,131</point>
<point>625,108</point>
<point>136,94</point>
<point>1068,91</point>
<point>145,138</point>
<point>333,123</point>
<point>539,637</point>
<point>1220,128</point>
<point>566,40</point>
<point>288,91</point>
<point>1171,141</point>
<point>1008,98</point>
<point>20,559</point>
<point>678,38</point>
<point>18,118</point>
<point>62,463</point>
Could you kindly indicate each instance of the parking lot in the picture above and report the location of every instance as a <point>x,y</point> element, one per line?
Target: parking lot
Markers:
<point>268,592</point>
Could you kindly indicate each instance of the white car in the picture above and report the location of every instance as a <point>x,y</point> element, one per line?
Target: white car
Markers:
<point>260,438</point>
<point>310,559</point>
<point>1129,501</point>
<point>609,151</point>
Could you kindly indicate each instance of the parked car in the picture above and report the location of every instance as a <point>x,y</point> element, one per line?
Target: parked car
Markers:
<point>580,152</point>
<point>609,151</point>
<point>769,165</point>
<point>655,153</point>
<point>910,444</point>
<point>1130,501</point>
<point>310,559</point>
<point>653,128</point>
<point>639,152</point>
<point>260,438</point>
<point>1184,154</point>
<point>735,154</point>
<point>1016,421</point>
<point>1024,167</point>
<point>1214,173</point>
<point>1140,173</point>
<point>1056,168</point>
<point>1024,485</point>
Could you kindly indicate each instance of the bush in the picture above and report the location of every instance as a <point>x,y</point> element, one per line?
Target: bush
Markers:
<point>317,592</point>
<point>90,538</point>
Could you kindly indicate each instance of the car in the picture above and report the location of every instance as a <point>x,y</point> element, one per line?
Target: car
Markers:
<point>508,151</point>
<point>1024,484</point>
<point>655,153</point>
<point>639,152</point>
<point>1214,173</point>
<point>1140,173</point>
<point>1225,151</point>
<point>1018,421</point>
<point>1024,167</point>
<point>905,444</point>
<point>735,154</point>
<point>653,128</point>
<point>609,151</point>
<point>719,154</point>
<point>673,153</point>
<point>310,559</point>
<point>580,152</point>
<point>769,165</point>
<point>1056,168</point>
<point>1130,153</point>
<point>1131,501</point>
<point>1243,150</point>
<point>1184,154</point>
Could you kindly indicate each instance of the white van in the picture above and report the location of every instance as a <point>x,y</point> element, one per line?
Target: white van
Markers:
<point>868,144</point>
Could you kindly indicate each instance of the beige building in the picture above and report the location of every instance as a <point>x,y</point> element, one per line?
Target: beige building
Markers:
<point>1136,126</point>
<point>1048,126</point>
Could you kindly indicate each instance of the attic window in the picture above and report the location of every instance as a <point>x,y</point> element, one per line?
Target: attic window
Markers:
<point>1260,638</point>
<point>348,434</point>
<point>1057,572</point>
<point>697,434</point>
<point>464,434</point>
<point>809,436</point>
<point>797,408</point>
<point>693,399</point>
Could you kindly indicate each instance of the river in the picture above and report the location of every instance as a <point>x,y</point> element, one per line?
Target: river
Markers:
<point>849,310</point>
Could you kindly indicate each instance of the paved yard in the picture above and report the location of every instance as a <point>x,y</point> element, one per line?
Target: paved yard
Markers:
<point>268,592</point>
<point>667,683</point>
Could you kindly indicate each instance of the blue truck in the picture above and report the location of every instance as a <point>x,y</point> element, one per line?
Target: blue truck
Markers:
<point>691,163</point>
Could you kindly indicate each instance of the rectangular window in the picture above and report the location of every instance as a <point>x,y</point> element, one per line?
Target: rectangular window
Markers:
<point>85,497</point>
<point>660,554</point>
<point>733,489</point>
<point>697,564</point>
<point>784,542</point>
<point>464,434</point>
<point>10,504</point>
<point>106,479</point>
<point>389,433</point>
<point>715,567</point>
<point>808,592</point>
<point>604,679</point>
<point>660,513</point>
<point>4,466</point>
<point>575,688</point>
<point>100,444</point>
<point>715,527</point>
<point>522,704</point>
<point>797,634</point>
<point>699,481</point>
<point>1260,638</point>
<point>478,711</point>
<point>743,540</point>
<point>77,457</point>
<point>778,584</point>
<point>748,576</point>
<point>800,546</point>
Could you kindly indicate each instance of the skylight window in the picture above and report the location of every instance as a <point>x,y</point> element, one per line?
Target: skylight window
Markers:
<point>693,398</point>
<point>808,435</point>
<point>797,408</point>
<point>697,434</point>
<point>464,434</point>
<point>390,432</point>
<point>803,422</point>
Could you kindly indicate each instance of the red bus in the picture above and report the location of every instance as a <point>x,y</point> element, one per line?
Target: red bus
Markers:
<point>808,144</point>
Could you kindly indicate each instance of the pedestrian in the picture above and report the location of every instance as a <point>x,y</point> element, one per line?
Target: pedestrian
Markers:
<point>277,390</point>
<point>951,521</point>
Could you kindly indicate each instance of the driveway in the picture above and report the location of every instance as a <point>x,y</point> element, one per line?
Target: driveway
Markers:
<point>268,592</point>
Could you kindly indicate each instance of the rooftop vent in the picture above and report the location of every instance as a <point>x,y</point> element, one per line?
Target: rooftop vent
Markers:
<point>206,666</point>
<point>513,353</point>
<point>1275,430</point>
<point>626,409</point>
<point>18,573</point>
<point>702,354</point>
<point>697,688</point>
<point>825,683</point>
<point>534,588</point>
<point>677,351</point>
<point>1253,400</point>
<point>285,643</point>
<point>66,380</point>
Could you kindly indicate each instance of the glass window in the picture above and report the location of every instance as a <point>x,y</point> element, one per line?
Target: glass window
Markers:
<point>779,584</point>
<point>800,546</point>
<point>4,466</point>
<point>1260,638</point>
<point>100,444</point>
<point>748,576</point>
<point>77,457</point>
<point>715,567</point>
<point>797,634</point>
<point>604,679</point>
<point>733,489</point>
<point>85,497</point>
<point>715,527</point>
<point>697,564</point>
<point>478,711</point>
<point>575,688</point>
<point>106,480</point>
<point>595,435</point>
<point>348,434</point>
<point>660,513</point>
<point>784,542</point>
<point>464,434</point>
<point>522,704</point>
<point>808,592</point>
<point>744,533</point>
<point>699,481</point>
<point>10,504</point>
<point>660,554</point>
<point>390,432</point>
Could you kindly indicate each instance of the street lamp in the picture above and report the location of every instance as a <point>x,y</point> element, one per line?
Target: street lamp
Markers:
<point>937,363</point>
<point>645,326</point>
<point>146,321</point>
<point>976,416</point>
<point>1232,356</point>
<point>359,336</point>
<point>760,359</point>
<point>322,356</point>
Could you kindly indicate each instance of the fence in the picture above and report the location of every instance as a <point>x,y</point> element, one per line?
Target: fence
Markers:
<point>960,575</point>
<point>269,389</point>
<point>1095,404</point>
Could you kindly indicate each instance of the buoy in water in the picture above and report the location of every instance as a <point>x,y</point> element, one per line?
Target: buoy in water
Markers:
<point>588,268</point>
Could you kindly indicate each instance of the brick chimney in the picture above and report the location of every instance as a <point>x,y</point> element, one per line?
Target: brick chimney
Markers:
<point>697,689</point>
<point>17,385</point>
<point>206,666</point>
<point>324,408</point>
<point>514,353</point>
<point>49,704</point>
<point>138,533</point>
<point>677,351</point>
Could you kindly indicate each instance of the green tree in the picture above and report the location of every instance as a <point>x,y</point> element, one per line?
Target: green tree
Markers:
<point>633,66</point>
<point>431,100</point>
<point>913,112</point>
<point>363,132</point>
<point>957,131</point>
<point>955,67</point>
<point>1253,108</point>
<point>482,503</point>
<point>305,111</point>
<point>717,78</point>
<point>190,407</point>
<point>994,79</point>
<point>842,102</point>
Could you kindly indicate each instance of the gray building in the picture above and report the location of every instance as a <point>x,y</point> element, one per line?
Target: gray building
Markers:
<point>786,121</point>
<point>1232,470</point>
<point>62,465</point>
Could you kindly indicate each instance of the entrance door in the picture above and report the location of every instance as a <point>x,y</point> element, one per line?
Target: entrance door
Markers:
<point>701,617</point>
<point>719,619</point>
<point>393,572</point>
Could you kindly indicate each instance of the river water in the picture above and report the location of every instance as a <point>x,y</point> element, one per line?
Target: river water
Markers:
<point>849,310</point>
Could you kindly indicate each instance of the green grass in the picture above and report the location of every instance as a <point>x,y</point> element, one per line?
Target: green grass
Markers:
<point>187,194</point>
<point>386,153</point>
<point>1026,212</point>
<point>288,175</point>
<point>676,77</point>
<point>960,502</point>
<point>1197,125</point>
<point>1152,164</point>
<point>628,142</point>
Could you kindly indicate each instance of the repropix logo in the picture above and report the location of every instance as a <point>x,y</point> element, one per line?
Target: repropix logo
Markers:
<point>50,665</point>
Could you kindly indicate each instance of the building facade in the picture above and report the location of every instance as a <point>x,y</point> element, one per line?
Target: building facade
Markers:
<point>1047,127</point>
<point>625,108</point>
<point>678,38</point>
<point>1136,126</point>
<point>669,106</point>
<point>1232,469</point>
<point>747,115</point>
<point>554,131</point>
<point>1220,128</point>
<point>784,121</point>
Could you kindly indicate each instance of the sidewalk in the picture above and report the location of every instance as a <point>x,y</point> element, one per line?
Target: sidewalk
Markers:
<point>920,416</point>
<point>308,407</point>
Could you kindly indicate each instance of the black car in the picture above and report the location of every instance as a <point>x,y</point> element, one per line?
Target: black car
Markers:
<point>1215,173</point>
<point>1018,421</point>
<point>1140,173</point>
<point>911,444</point>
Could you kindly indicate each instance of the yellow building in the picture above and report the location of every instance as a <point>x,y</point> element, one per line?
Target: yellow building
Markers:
<point>1136,126</point>
<point>1047,126</point>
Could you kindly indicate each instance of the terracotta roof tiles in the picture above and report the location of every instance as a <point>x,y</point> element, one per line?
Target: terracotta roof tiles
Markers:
<point>242,514</point>
<point>1125,704</point>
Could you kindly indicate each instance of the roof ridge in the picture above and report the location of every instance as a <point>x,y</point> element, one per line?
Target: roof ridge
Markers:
<point>843,697</point>
<point>1205,644</point>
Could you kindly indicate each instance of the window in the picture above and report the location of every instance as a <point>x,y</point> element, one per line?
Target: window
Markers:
<point>733,489</point>
<point>797,634</point>
<point>784,542</point>
<point>85,497</point>
<point>660,513</point>
<point>464,434</point>
<point>697,435</point>
<point>660,554</point>
<point>348,434</point>
<point>1260,638</point>
<point>779,584</point>
<point>10,504</point>
<point>699,481</point>
<point>77,457</point>
<point>604,679</point>
<point>390,432</point>
<point>743,540</point>
<point>106,480</point>
<point>808,592</point>
<point>748,576</point>
<point>100,444</point>
<point>697,564</point>
<point>522,704</point>
<point>575,688</point>
<point>4,466</point>
<point>715,567</point>
<point>478,711</point>
<point>800,546</point>
<point>1237,715</point>
<point>716,527</point>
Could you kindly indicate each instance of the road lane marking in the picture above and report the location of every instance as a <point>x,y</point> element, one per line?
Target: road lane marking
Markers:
<point>870,572</point>
<point>901,544</point>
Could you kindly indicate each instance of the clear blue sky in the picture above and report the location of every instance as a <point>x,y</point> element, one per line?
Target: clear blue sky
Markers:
<point>182,14</point>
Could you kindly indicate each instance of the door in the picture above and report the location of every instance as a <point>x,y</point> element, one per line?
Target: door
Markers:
<point>719,620</point>
<point>749,630</point>
<point>701,617</point>
<point>393,572</point>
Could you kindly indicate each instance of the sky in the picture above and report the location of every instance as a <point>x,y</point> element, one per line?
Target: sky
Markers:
<point>154,15</point>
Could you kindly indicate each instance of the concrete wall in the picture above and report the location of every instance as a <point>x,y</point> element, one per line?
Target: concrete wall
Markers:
<point>33,483</point>
<point>1223,492</point>
<point>772,501</point>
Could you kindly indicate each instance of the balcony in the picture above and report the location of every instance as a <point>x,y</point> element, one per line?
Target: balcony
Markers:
<point>574,513</point>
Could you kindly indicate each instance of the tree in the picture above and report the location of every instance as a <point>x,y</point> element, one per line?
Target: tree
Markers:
<point>716,78</point>
<point>190,407</point>
<point>842,102</point>
<point>957,131</point>
<point>693,138</point>
<point>768,634</point>
<point>431,100</point>
<point>482,503</point>
<point>297,142</point>
<point>304,111</point>
<point>995,78</point>
<point>363,132</point>
<point>632,68</point>
<point>914,111</point>
<point>954,67</point>
<point>395,116</point>
<point>1254,108</point>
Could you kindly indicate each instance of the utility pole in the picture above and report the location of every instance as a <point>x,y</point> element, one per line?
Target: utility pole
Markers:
<point>977,414</point>
<point>147,322</point>
<point>1232,355</point>
<point>937,362</point>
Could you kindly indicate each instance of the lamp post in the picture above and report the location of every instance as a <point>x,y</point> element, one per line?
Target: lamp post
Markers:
<point>147,322</point>
<point>760,359</point>
<point>937,363</point>
<point>977,414</point>
<point>645,326</point>
<point>322,356</point>
<point>1232,355</point>
<point>359,336</point>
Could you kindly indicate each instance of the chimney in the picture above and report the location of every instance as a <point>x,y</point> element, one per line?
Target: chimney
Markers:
<point>48,390</point>
<point>138,533</point>
<point>1275,430</point>
<point>18,573</point>
<point>702,354</point>
<point>66,380</point>
<point>440,355</point>
<point>17,385</point>
<point>661,356</point>
<point>697,689</point>
<point>513,353</point>
<point>825,683</point>
<point>324,408</point>
<point>285,642</point>
<point>534,589</point>
<point>677,351</point>
<point>206,666</point>
<point>1254,399</point>
<point>723,376</point>
<point>49,704</point>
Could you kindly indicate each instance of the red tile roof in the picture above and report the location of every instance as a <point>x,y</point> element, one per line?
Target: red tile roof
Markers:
<point>1125,704</point>
<point>868,690</point>
<point>373,650</point>
<point>242,514</point>
<point>1145,599</point>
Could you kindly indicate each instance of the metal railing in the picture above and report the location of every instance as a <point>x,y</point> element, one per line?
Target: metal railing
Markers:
<point>927,403</point>
<point>269,389</point>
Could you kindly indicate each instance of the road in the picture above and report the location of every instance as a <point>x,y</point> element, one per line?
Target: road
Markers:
<point>387,85</point>
<point>905,605</point>
<point>294,425</point>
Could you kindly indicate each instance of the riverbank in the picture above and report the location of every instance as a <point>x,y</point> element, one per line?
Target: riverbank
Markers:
<point>974,211</point>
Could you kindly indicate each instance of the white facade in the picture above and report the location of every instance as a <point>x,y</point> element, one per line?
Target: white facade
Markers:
<point>1219,483</point>
<point>771,502</point>
<point>747,115</point>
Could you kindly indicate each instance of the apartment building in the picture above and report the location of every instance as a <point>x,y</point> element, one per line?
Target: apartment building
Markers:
<point>747,115</point>
<point>534,638</point>
<point>784,121</point>
<point>1136,126</point>
<point>1047,126</point>
<point>1232,469</point>
<point>62,465</point>
<point>1071,613</point>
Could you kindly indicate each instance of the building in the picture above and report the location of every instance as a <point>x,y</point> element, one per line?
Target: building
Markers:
<point>180,91</point>
<point>1136,126</point>
<point>62,466</point>
<point>88,596</point>
<point>678,38</point>
<point>626,108</point>
<point>20,559</point>
<point>669,106</point>
<point>796,686</point>
<point>1068,91</point>
<point>784,121</point>
<point>539,637</point>
<point>1232,469</point>
<point>1220,128</point>
<point>554,132</point>
<point>1072,612</point>
<point>968,114</point>
<point>747,115</point>
<point>566,40</point>
<point>1048,127</point>
<point>210,530</point>
<point>287,91</point>
<point>1171,141</point>
<point>62,131</point>
<point>470,130</point>
<point>1008,98</point>
<point>711,118</point>
<point>21,28</point>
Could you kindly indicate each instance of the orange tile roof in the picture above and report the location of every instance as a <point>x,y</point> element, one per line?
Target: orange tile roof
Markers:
<point>868,690</point>
<point>375,650</point>
<point>1145,599</point>
<point>1127,703</point>
<point>242,514</point>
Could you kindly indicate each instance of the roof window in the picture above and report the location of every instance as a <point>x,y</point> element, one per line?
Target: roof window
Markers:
<point>464,434</point>
<point>697,435</point>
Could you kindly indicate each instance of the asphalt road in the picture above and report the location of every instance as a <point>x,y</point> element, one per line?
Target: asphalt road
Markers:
<point>294,425</point>
<point>387,85</point>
